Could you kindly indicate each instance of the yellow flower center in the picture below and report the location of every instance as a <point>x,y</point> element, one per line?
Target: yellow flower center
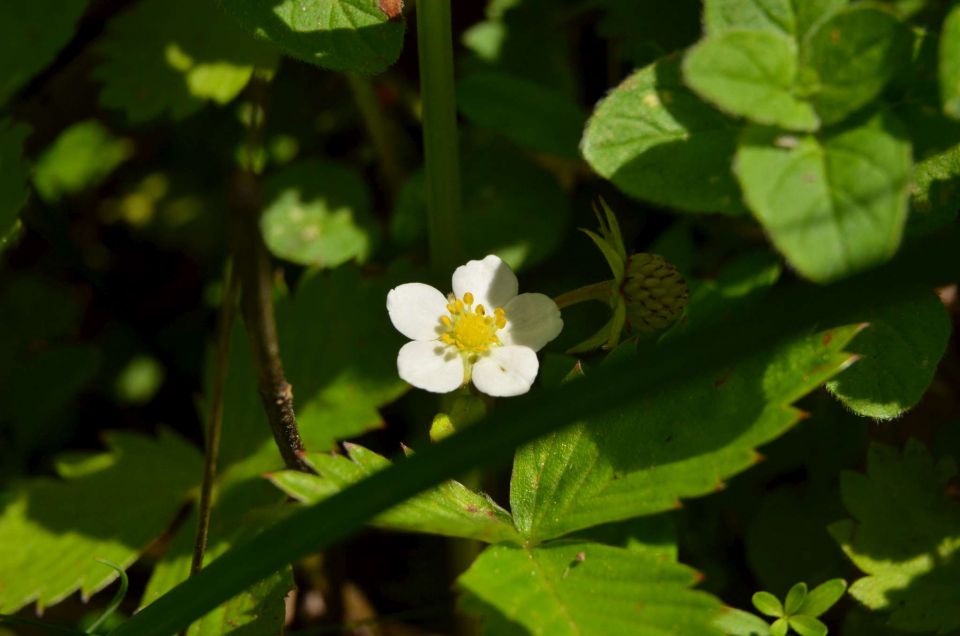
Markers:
<point>470,329</point>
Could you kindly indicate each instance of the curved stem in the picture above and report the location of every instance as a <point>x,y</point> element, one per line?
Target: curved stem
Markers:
<point>596,291</point>
<point>440,136</point>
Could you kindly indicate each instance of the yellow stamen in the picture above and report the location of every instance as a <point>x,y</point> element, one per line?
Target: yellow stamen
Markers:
<point>480,310</point>
<point>446,321</point>
<point>468,298</point>
<point>469,328</point>
<point>458,306</point>
<point>451,308</point>
<point>501,322</point>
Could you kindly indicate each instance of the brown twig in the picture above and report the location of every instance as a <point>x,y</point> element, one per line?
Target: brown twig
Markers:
<point>255,272</point>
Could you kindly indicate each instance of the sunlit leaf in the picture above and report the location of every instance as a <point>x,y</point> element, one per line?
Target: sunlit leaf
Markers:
<point>572,588</point>
<point>950,63</point>
<point>451,509</point>
<point>905,536</point>
<point>901,350</point>
<point>657,141</point>
<point>81,157</point>
<point>832,204</point>
<point>52,531</point>
<point>342,35</point>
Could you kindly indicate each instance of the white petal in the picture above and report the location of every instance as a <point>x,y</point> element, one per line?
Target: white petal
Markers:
<point>506,371</point>
<point>430,366</point>
<point>533,320</point>
<point>491,281</point>
<point>415,310</point>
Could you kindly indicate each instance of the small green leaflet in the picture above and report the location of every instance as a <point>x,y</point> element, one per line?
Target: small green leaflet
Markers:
<point>318,213</point>
<point>751,73</point>
<point>577,589</point>
<point>905,536</point>
<point>950,63</point>
<point>833,204</point>
<point>14,173</point>
<point>32,33</point>
<point>536,117</point>
<point>901,349</point>
<point>52,531</point>
<point>82,156</point>
<point>170,57</point>
<point>450,509</point>
<point>692,436</point>
<point>341,35</point>
<point>657,141</point>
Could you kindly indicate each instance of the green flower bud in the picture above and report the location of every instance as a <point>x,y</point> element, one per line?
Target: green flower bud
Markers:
<point>654,291</point>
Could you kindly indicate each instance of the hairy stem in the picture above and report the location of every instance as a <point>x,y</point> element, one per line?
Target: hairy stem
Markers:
<point>596,291</point>
<point>440,136</point>
<point>255,273</point>
<point>215,421</point>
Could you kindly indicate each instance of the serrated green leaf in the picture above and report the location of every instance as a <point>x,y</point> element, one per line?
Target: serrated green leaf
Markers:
<point>657,141</point>
<point>807,626</point>
<point>318,213</point>
<point>534,117</point>
<point>240,511</point>
<point>52,531</point>
<point>753,74</point>
<point>833,204</point>
<point>573,589</point>
<point>14,173</point>
<point>512,207</point>
<point>451,509</point>
<point>905,535</point>
<point>823,597</point>
<point>32,33</point>
<point>853,55</point>
<point>795,598</point>
<point>950,63</point>
<point>157,63</point>
<point>768,604</point>
<point>610,468</point>
<point>341,35</point>
<point>82,156</point>
<point>341,364</point>
<point>901,350</point>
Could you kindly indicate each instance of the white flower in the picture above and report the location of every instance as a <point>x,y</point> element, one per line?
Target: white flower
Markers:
<point>483,331</point>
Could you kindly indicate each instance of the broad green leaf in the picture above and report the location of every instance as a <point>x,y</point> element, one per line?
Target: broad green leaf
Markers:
<point>611,467</point>
<point>795,598</point>
<point>339,352</point>
<point>950,63</point>
<point>753,74</point>
<point>657,141</point>
<point>734,622</point>
<point>31,34</point>
<point>851,56</point>
<point>450,510</point>
<point>240,511</point>
<point>535,117</point>
<point>156,62</point>
<point>901,350</point>
<point>905,536</point>
<point>318,213</point>
<point>512,207</point>
<point>793,311</point>
<point>807,626</point>
<point>768,604</point>
<point>14,173</point>
<point>52,531</point>
<point>823,597</point>
<point>787,17</point>
<point>81,157</point>
<point>833,204</point>
<point>574,589</point>
<point>341,35</point>
<point>934,190</point>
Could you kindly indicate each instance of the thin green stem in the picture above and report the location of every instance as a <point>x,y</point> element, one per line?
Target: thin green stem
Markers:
<point>596,291</point>
<point>440,136</point>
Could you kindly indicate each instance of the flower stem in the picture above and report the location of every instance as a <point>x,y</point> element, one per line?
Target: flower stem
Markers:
<point>596,291</point>
<point>440,136</point>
